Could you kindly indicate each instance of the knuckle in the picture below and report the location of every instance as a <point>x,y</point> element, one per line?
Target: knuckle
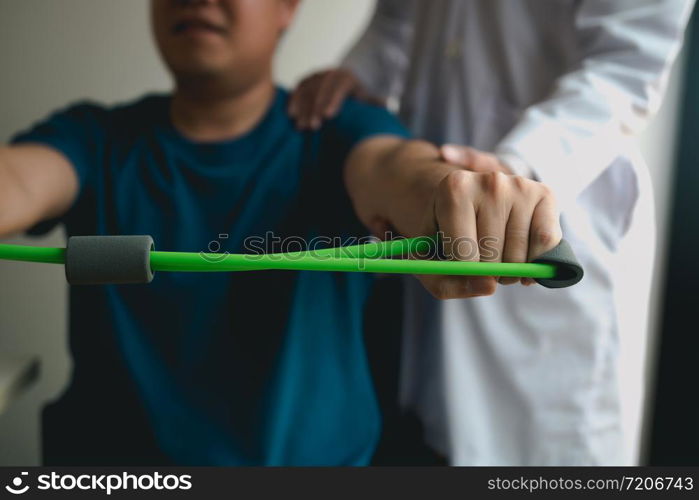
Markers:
<point>455,185</point>
<point>494,183</point>
<point>546,190</point>
<point>522,183</point>
<point>547,237</point>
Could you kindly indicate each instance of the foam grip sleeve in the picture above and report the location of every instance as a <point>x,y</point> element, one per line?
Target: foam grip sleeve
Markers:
<point>569,270</point>
<point>105,260</point>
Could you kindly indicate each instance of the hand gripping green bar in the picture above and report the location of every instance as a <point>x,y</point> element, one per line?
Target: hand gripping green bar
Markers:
<point>131,259</point>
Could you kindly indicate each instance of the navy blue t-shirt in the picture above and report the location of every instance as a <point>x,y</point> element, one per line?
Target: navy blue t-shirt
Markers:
<point>240,368</point>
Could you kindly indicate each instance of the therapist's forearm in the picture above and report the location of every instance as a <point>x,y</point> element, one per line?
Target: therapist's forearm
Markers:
<point>585,123</point>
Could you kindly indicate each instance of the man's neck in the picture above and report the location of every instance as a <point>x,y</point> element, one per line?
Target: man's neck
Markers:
<point>206,115</point>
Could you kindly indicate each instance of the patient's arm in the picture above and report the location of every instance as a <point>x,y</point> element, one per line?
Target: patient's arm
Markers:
<point>36,183</point>
<point>404,184</point>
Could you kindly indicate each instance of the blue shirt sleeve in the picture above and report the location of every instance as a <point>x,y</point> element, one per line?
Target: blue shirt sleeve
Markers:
<point>358,121</point>
<point>78,133</point>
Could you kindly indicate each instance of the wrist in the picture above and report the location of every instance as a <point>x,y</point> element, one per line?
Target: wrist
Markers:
<point>411,177</point>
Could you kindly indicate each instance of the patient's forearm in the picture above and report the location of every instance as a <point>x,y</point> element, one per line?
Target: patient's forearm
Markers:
<point>13,214</point>
<point>36,183</point>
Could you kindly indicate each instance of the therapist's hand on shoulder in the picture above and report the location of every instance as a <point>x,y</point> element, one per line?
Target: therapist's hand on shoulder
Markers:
<point>483,216</point>
<point>319,96</point>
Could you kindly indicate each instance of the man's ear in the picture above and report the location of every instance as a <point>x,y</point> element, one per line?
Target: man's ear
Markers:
<point>289,8</point>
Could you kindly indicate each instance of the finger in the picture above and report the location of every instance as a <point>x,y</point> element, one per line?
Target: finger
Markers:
<point>516,247</point>
<point>342,90</point>
<point>307,100</point>
<point>454,287</point>
<point>326,88</point>
<point>293,107</point>
<point>492,222</point>
<point>299,94</point>
<point>545,231</point>
<point>485,163</point>
<point>296,107</point>
<point>455,154</point>
<point>456,220</point>
<point>471,159</point>
<point>493,214</point>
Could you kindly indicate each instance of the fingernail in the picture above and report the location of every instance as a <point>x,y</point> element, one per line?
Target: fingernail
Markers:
<point>449,152</point>
<point>454,153</point>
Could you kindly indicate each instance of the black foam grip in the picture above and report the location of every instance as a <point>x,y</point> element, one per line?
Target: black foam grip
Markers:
<point>569,271</point>
<point>105,260</point>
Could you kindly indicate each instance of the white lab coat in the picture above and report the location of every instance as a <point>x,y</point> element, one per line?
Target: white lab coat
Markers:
<point>558,89</point>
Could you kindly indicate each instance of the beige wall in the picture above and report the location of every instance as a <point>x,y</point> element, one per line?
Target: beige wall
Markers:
<point>58,51</point>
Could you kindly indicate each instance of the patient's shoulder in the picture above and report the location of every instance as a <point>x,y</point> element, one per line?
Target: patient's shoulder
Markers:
<point>141,112</point>
<point>358,120</point>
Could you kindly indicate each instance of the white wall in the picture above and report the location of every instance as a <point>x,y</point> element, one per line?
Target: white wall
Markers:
<point>637,347</point>
<point>54,52</point>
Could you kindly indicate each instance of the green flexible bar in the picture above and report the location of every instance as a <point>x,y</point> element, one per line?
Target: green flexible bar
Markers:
<point>186,262</point>
<point>418,246</point>
<point>358,258</point>
<point>48,255</point>
<point>379,249</point>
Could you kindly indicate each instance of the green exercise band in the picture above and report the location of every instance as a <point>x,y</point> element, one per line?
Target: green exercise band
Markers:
<point>555,269</point>
<point>186,262</point>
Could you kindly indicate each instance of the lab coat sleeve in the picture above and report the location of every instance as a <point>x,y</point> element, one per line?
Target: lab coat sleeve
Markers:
<point>627,48</point>
<point>381,55</point>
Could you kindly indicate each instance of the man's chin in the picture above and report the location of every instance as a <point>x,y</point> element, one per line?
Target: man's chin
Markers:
<point>197,71</point>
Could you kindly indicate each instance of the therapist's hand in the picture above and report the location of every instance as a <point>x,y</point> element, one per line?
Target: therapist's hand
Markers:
<point>319,97</point>
<point>479,161</point>
<point>483,216</point>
